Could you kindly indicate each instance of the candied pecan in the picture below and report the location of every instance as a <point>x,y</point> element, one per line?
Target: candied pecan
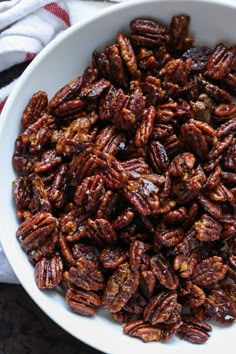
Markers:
<point>220,62</point>
<point>127,54</point>
<point>199,57</point>
<point>57,192</point>
<point>69,108</point>
<point>22,161</point>
<point>67,92</point>
<point>161,131</point>
<point>137,165</point>
<point>232,267</point>
<point>21,192</point>
<point>230,157</point>
<point>193,330</point>
<point>143,194</point>
<point>169,238</point>
<point>86,275</point>
<point>221,194</point>
<point>107,205</point>
<point>48,272</point>
<point>209,271</point>
<point>136,304</point>
<point>182,163</point>
<point>95,89</point>
<point>48,160</point>
<point>153,91</point>
<point>214,178</point>
<point>228,223</point>
<point>89,193</point>
<point>124,219</point>
<point>47,249</point>
<point>35,108</point>
<point>194,140</point>
<point>116,67</point>
<point>164,272</point>
<point>185,263</point>
<point>83,302</point>
<point>111,257</point>
<point>38,134</point>
<point>224,112</point>
<point>179,27</point>
<point>39,200</point>
<point>203,108</point>
<point>100,231</point>
<point>175,217</point>
<point>194,297</point>
<point>220,308</point>
<point>136,251</point>
<point>144,130</point>
<point>120,287</point>
<point>160,307</point>
<point>36,229</point>
<point>212,208</point>
<point>111,171</point>
<point>215,92</point>
<point>110,140</point>
<point>81,250</point>
<point>175,72</point>
<point>147,282</point>
<point>158,157</point>
<point>81,166</point>
<point>207,228</point>
<point>146,59</point>
<point>65,250</point>
<point>142,330</point>
<point>226,128</point>
<point>148,33</point>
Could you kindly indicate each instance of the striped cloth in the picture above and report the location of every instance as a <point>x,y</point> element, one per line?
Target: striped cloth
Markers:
<point>25,28</point>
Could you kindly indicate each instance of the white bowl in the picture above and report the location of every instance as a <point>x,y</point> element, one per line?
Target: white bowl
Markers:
<point>64,58</point>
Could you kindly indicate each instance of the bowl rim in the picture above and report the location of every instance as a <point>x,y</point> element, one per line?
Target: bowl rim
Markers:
<point>45,51</point>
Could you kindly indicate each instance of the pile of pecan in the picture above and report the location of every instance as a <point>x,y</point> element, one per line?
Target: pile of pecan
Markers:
<point>126,187</point>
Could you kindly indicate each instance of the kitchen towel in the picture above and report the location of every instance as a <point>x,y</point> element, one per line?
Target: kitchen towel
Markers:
<point>26,27</point>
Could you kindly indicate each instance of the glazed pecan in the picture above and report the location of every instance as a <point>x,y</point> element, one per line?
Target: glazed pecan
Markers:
<point>83,302</point>
<point>86,275</point>
<point>179,27</point>
<point>35,108</point>
<point>36,229</point>
<point>112,257</point>
<point>143,194</point>
<point>148,33</point>
<point>120,287</point>
<point>220,62</point>
<point>144,131</point>
<point>209,271</point>
<point>193,330</point>
<point>100,231</point>
<point>207,228</point>
<point>48,272</point>
<point>219,307</point>
<point>69,91</point>
<point>160,307</point>
<point>164,272</point>
<point>158,157</point>
<point>142,330</point>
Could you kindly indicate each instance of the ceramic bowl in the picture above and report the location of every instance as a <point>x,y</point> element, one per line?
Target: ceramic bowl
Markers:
<point>64,58</point>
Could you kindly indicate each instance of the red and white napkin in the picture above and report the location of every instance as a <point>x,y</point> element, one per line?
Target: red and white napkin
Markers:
<point>26,27</point>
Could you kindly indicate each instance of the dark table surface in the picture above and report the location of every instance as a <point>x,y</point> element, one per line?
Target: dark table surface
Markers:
<point>25,329</point>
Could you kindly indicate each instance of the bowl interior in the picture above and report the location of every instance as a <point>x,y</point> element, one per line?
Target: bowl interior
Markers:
<point>65,58</point>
